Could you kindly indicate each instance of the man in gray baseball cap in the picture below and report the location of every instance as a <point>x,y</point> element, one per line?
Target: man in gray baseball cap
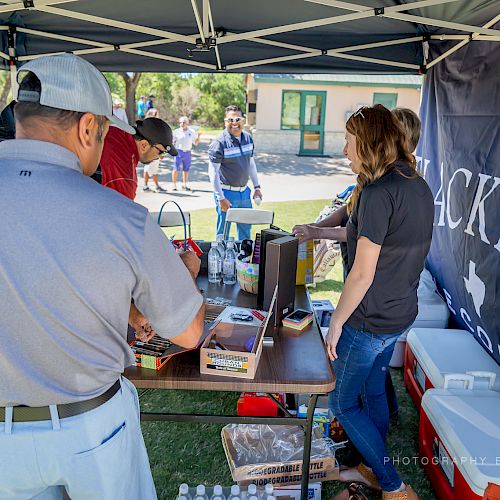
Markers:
<point>73,256</point>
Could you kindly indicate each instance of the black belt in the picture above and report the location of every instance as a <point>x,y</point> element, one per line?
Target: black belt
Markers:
<point>38,413</point>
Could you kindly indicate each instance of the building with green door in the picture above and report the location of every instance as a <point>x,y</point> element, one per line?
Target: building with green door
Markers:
<point>306,114</point>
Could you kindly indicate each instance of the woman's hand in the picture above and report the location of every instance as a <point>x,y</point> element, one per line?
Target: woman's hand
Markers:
<point>305,232</point>
<point>332,339</point>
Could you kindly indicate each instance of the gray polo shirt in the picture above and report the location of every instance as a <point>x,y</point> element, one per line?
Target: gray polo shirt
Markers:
<point>73,254</point>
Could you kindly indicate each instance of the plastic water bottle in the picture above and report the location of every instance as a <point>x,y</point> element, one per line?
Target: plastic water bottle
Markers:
<point>235,493</point>
<point>201,492</point>
<point>257,200</point>
<point>218,493</point>
<point>214,264</point>
<point>253,497</point>
<point>184,491</point>
<point>252,490</point>
<point>229,267</point>
<point>221,246</point>
<point>268,491</point>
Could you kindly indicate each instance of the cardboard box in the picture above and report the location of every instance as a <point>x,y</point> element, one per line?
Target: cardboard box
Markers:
<point>293,492</point>
<point>324,310</point>
<point>233,360</point>
<point>305,275</point>
<point>321,468</point>
<point>292,480</point>
<point>322,416</point>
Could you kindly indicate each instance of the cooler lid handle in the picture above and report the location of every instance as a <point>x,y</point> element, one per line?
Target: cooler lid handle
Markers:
<point>467,381</point>
<point>478,374</point>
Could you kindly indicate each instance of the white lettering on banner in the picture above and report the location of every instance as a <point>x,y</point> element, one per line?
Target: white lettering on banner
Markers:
<point>483,336</point>
<point>440,203</point>
<point>423,168</point>
<point>478,206</point>
<point>443,199</point>
<point>448,301</point>
<point>480,332</point>
<point>468,175</point>
<point>464,314</point>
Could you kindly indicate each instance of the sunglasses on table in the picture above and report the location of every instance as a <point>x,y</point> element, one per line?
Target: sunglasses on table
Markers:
<point>238,119</point>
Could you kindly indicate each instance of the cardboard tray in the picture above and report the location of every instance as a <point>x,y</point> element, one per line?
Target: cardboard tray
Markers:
<point>232,362</point>
<point>279,473</point>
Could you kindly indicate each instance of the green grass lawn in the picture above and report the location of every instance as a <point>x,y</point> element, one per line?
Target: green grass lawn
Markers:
<point>182,452</point>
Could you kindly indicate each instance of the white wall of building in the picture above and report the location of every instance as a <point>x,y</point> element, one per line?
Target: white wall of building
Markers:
<point>340,99</point>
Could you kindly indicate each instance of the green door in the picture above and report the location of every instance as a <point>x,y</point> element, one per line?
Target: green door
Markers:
<point>312,122</point>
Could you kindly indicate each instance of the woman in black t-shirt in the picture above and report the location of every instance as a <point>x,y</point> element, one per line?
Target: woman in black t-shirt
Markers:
<point>389,231</point>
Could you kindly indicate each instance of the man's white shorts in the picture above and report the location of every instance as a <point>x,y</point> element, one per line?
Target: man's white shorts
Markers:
<point>99,454</point>
<point>152,168</point>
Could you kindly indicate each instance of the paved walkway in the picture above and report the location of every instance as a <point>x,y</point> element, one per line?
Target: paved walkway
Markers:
<point>282,177</point>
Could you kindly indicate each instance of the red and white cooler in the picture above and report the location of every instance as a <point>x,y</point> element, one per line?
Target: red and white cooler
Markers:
<point>460,441</point>
<point>432,313</point>
<point>433,354</point>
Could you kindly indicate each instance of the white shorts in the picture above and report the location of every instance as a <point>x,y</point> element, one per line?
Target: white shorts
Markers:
<point>152,168</point>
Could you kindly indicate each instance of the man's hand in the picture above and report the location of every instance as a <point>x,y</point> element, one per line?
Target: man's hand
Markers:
<point>305,232</point>
<point>224,204</point>
<point>192,262</point>
<point>332,339</point>
<point>143,329</point>
<point>257,194</point>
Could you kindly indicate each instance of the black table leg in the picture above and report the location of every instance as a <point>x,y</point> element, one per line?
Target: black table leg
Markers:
<point>306,457</point>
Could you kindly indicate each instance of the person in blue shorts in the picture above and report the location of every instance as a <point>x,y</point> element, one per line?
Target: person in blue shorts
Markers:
<point>184,138</point>
<point>231,164</point>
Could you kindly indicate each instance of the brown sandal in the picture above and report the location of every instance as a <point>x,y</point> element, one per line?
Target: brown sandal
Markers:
<point>369,477</point>
<point>355,491</point>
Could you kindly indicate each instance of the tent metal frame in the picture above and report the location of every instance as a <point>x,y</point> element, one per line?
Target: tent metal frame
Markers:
<point>206,31</point>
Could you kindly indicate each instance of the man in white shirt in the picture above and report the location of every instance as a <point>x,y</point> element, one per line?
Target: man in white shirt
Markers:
<point>119,111</point>
<point>184,139</point>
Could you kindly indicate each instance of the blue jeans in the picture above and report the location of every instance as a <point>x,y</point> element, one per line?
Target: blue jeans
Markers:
<point>238,200</point>
<point>97,454</point>
<point>361,368</point>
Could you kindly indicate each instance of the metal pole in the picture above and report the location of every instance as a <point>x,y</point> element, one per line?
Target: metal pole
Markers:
<point>306,457</point>
<point>11,40</point>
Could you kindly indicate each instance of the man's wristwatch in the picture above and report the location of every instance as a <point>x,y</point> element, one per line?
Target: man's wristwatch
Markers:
<point>257,187</point>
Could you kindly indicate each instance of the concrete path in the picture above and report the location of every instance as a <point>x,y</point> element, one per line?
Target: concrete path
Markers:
<point>282,177</point>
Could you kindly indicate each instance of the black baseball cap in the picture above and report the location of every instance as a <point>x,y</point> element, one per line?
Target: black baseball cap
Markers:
<point>156,131</point>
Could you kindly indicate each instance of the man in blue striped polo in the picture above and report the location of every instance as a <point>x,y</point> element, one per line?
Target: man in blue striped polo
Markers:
<point>231,165</point>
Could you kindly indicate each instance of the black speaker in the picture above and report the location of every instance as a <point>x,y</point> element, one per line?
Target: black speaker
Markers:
<point>281,270</point>
<point>266,235</point>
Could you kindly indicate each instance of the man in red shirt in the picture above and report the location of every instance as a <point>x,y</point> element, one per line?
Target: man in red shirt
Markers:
<point>122,152</point>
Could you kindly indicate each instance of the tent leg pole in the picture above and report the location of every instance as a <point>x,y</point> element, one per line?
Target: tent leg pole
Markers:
<point>12,61</point>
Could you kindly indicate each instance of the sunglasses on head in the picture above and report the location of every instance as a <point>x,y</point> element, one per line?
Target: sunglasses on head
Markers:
<point>359,112</point>
<point>238,119</point>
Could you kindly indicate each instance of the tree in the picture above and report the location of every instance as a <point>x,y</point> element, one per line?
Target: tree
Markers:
<point>217,91</point>
<point>123,85</point>
<point>131,81</point>
<point>5,86</point>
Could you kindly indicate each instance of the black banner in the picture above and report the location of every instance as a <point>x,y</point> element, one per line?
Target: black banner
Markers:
<point>459,156</point>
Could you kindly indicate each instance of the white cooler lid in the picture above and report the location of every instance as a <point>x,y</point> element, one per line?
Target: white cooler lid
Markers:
<point>440,351</point>
<point>432,308</point>
<point>468,424</point>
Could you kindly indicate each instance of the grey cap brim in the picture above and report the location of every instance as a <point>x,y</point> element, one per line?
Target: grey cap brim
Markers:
<point>121,124</point>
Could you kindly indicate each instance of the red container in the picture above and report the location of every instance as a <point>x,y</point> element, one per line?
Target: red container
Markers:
<point>415,379</point>
<point>433,355</point>
<point>258,404</point>
<point>459,442</point>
